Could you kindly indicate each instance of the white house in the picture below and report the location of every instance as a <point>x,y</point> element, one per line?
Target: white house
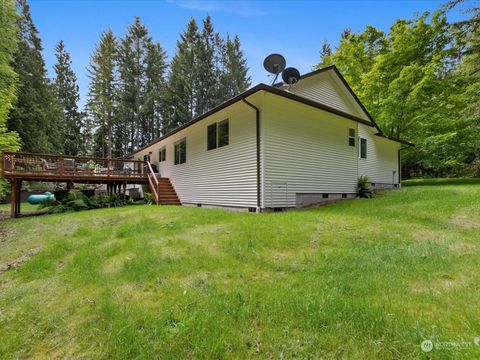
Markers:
<point>277,147</point>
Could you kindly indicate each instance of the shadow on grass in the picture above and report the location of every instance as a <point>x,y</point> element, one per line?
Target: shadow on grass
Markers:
<point>444,181</point>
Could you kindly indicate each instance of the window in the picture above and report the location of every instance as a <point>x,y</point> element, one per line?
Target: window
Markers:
<point>212,136</point>
<point>325,196</point>
<point>146,157</point>
<point>162,154</point>
<point>351,137</point>
<point>223,133</point>
<point>180,148</point>
<point>363,148</point>
<point>217,135</point>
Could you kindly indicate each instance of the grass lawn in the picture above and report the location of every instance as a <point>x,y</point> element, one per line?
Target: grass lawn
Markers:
<point>358,279</point>
<point>23,207</point>
<point>441,181</point>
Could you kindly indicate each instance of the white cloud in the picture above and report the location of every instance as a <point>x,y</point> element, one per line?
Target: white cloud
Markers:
<point>241,8</point>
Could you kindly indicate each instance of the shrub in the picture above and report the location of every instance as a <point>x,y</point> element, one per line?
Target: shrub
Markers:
<point>364,189</point>
<point>148,198</point>
<point>76,200</point>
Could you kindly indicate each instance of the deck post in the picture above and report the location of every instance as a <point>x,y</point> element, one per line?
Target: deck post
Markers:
<point>19,196</point>
<point>70,185</point>
<point>13,198</point>
<point>124,190</point>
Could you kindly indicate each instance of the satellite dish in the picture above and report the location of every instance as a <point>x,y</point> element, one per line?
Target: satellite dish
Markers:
<point>290,75</point>
<point>274,63</point>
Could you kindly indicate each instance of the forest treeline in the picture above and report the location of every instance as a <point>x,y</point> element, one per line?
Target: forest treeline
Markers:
<point>135,95</point>
<point>420,81</point>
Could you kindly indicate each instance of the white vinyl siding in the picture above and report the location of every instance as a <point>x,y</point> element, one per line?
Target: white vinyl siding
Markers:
<point>382,157</point>
<point>324,89</point>
<point>305,150</point>
<point>225,176</point>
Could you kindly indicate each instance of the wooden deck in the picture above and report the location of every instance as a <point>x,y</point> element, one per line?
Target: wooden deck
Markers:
<point>80,169</point>
<point>18,167</point>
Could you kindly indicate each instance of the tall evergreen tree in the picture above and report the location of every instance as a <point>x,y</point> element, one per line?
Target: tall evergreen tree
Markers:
<point>181,98</point>
<point>325,54</point>
<point>37,116</point>
<point>207,73</point>
<point>236,68</point>
<point>101,103</point>
<point>220,63</point>
<point>131,125</point>
<point>153,110</point>
<point>67,92</point>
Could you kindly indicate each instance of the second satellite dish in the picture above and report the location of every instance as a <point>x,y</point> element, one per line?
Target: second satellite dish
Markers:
<point>274,63</point>
<point>290,75</point>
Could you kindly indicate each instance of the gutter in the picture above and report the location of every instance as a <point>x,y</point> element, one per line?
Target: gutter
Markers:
<point>257,126</point>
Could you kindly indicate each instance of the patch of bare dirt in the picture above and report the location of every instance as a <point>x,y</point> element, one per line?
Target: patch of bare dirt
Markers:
<point>6,233</point>
<point>466,222</point>
<point>15,263</point>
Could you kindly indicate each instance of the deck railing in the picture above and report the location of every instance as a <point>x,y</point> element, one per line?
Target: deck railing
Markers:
<point>65,166</point>
<point>153,182</point>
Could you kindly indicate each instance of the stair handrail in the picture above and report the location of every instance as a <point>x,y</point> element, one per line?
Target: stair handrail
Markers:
<point>153,182</point>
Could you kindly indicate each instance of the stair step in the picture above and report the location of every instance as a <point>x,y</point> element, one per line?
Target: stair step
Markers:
<point>166,192</point>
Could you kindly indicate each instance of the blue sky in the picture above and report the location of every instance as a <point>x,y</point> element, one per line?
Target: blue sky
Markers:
<point>295,29</point>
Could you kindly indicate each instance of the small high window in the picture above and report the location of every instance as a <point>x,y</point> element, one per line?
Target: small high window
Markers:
<point>363,148</point>
<point>351,137</point>
<point>180,149</point>
<point>217,135</point>
<point>162,154</point>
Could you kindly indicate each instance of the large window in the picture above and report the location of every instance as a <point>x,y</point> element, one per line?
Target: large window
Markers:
<point>180,148</point>
<point>363,148</point>
<point>217,135</point>
<point>162,154</point>
<point>351,137</point>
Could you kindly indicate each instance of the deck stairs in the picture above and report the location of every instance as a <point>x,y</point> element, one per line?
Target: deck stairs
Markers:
<point>166,193</point>
<point>161,188</point>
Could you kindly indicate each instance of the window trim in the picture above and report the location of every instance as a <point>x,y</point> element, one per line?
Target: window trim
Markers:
<point>175,144</point>
<point>360,148</point>
<point>161,151</point>
<point>351,137</point>
<point>217,138</point>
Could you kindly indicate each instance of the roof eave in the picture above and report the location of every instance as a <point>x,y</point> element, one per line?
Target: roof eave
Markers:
<point>385,136</point>
<point>249,92</point>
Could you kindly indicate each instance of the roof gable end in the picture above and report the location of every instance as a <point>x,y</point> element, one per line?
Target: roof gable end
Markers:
<point>327,86</point>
